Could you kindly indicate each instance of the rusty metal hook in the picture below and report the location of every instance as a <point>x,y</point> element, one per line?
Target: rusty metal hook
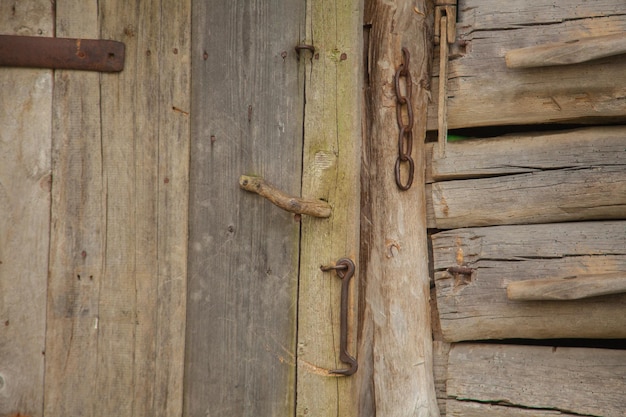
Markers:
<point>345,270</point>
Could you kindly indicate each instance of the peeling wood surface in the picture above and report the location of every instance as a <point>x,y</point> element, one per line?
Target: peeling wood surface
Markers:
<point>331,166</point>
<point>117,287</point>
<point>396,340</point>
<point>247,103</point>
<point>573,381</point>
<point>476,307</point>
<point>482,91</point>
<point>535,178</point>
<point>25,120</point>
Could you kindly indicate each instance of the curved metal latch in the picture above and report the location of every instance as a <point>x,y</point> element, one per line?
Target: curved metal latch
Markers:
<point>345,270</point>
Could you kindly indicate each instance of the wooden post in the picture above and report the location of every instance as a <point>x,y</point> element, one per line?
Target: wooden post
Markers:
<point>396,341</point>
<point>25,123</point>
<point>332,137</point>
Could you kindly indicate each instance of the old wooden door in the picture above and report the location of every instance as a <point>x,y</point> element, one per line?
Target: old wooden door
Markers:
<point>262,317</point>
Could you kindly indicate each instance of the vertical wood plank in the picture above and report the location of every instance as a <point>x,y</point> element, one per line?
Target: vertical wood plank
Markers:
<point>118,269</point>
<point>399,364</point>
<point>247,101</point>
<point>25,120</point>
<point>78,228</point>
<point>331,158</point>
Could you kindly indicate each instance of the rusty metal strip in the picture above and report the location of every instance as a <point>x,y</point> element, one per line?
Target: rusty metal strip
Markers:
<point>61,53</point>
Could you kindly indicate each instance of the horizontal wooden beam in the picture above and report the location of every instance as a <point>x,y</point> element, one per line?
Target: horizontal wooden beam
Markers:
<point>482,91</point>
<point>568,381</point>
<point>567,288</point>
<point>534,178</point>
<point>475,306</point>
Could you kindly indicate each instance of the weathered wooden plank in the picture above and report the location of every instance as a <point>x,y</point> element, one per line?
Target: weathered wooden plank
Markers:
<point>570,380</point>
<point>570,194</point>
<point>567,288</point>
<point>117,282</point>
<point>25,123</point>
<point>247,101</point>
<point>526,153</point>
<point>474,409</point>
<point>476,307</point>
<point>566,53</point>
<point>78,228</point>
<point>331,168</point>
<point>146,136</point>
<point>396,341</point>
<point>482,91</point>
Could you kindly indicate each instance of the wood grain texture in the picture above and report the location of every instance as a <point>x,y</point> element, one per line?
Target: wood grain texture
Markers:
<point>25,148</point>
<point>531,178</point>
<point>247,104</point>
<point>476,307</point>
<point>589,381</point>
<point>527,153</point>
<point>482,91</point>
<point>292,204</point>
<point>331,168</point>
<point>116,301</point>
<point>396,340</point>
<point>78,229</point>
<point>570,52</point>
<point>567,288</point>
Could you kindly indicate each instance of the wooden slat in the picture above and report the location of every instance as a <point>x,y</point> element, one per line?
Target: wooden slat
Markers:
<point>574,381</point>
<point>117,287</point>
<point>476,307</point>
<point>531,178</point>
<point>247,101</point>
<point>567,288</point>
<point>482,91</point>
<point>25,120</point>
<point>475,409</point>
<point>331,164</point>
<point>396,341</point>
<point>78,228</point>
<point>532,152</point>
<point>594,193</point>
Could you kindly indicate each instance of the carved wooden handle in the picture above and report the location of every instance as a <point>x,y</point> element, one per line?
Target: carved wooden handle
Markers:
<point>311,207</point>
<point>574,288</point>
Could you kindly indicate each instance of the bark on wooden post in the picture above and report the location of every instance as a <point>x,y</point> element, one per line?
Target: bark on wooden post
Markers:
<point>396,342</point>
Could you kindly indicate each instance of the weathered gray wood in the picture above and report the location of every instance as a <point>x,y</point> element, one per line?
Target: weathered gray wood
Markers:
<point>476,307</point>
<point>25,123</point>
<point>331,168</point>
<point>78,228</point>
<point>116,300</point>
<point>567,288</point>
<point>526,153</point>
<point>475,409</point>
<point>396,342</point>
<point>573,51</point>
<point>482,91</point>
<point>570,380</point>
<point>247,103</point>
<point>570,194</point>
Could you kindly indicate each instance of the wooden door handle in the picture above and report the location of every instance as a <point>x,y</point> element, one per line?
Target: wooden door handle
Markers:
<point>311,207</point>
<point>565,53</point>
<point>570,288</point>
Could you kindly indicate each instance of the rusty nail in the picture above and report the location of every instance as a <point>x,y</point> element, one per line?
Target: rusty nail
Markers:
<point>306,47</point>
<point>463,270</point>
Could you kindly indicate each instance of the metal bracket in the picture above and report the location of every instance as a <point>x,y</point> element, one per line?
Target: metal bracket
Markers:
<point>61,53</point>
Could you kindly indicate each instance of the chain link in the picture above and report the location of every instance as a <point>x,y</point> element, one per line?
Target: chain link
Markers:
<point>405,135</point>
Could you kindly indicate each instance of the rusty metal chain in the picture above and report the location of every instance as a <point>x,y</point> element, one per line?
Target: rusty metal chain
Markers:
<point>405,135</point>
